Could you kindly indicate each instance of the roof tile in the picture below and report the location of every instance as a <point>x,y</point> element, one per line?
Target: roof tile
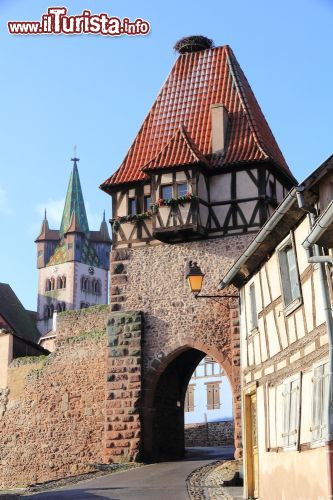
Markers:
<point>198,80</point>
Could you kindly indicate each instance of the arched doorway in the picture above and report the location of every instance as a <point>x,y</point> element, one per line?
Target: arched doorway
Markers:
<point>164,395</point>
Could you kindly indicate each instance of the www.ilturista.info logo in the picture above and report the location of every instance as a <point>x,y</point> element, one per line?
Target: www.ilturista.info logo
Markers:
<point>57,22</point>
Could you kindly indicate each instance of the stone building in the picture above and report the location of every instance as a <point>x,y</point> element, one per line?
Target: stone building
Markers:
<point>73,263</point>
<point>286,325</point>
<point>201,177</point>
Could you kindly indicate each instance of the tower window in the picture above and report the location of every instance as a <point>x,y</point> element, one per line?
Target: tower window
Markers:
<point>182,189</point>
<point>146,203</point>
<point>166,192</point>
<point>131,206</point>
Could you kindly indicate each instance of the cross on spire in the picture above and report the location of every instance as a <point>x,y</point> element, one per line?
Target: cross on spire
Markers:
<point>75,159</point>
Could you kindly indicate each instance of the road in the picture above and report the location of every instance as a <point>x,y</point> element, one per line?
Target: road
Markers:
<point>162,481</point>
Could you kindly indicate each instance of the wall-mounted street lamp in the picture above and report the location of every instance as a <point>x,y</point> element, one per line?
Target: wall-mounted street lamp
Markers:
<point>195,279</point>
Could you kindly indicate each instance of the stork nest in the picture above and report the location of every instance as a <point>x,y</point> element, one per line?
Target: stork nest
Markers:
<point>193,44</point>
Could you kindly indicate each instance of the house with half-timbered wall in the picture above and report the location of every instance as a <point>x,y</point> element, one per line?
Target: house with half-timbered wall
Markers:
<point>202,176</point>
<point>285,283</point>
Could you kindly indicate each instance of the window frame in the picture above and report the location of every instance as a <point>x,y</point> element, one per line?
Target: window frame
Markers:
<point>188,407</point>
<point>215,405</point>
<point>145,205</point>
<point>297,378</point>
<point>183,183</point>
<point>161,191</point>
<point>129,206</point>
<point>321,440</point>
<point>253,308</point>
<point>284,273</point>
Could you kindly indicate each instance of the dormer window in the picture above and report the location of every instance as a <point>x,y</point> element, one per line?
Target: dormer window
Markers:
<point>182,189</point>
<point>166,191</point>
<point>131,206</point>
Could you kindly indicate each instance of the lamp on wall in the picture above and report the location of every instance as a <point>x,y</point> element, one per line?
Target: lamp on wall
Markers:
<point>195,279</point>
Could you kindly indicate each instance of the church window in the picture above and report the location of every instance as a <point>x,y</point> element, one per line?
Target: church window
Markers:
<point>59,282</point>
<point>64,281</point>
<point>131,206</point>
<point>182,189</point>
<point>48,285</point>
<point>52,283</point>
<point>147,203</point>
<point>189,398</point>
<point>213,395</point>
<point>98,288</point>
<point>49,311</point>
<point>166,192</point>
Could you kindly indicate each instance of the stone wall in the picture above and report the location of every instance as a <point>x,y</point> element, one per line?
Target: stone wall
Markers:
<point>53,414</point>
<point>210,434</point>
<point>151,279</point>
<point>123,396</point>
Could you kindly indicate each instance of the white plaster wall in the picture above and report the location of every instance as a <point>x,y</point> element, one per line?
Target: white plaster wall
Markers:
<point>245,185</point>
<point>82,296</point>
<point>202,188</point>
<point>6,356</point>
<point>220,187</point>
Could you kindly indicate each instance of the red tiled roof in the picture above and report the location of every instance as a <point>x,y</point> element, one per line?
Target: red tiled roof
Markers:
<point>180,150</point>
<point>198,80</point>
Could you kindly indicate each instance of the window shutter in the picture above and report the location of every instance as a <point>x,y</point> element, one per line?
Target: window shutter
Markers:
<point>210,401</point>
<point>216,393</point>
<point>189,398</point>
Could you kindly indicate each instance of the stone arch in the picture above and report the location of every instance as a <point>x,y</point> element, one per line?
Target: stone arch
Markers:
<point>165,386</point>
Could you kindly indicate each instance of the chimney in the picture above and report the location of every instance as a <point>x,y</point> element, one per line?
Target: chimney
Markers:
<point>219,116</point>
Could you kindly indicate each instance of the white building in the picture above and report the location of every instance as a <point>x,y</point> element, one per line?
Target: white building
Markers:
<point>73,263</point>
<point>286,289</point>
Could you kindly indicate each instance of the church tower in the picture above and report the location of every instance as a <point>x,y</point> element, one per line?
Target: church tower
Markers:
<point>73,262</point>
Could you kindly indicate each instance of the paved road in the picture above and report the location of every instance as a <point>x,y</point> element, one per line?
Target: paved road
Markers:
<point>163,481</point>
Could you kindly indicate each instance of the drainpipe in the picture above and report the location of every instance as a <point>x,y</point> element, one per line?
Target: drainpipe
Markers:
<point>322,260</point>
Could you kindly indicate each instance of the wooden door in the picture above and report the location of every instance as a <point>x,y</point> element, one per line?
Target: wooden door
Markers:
<point>252,470</point>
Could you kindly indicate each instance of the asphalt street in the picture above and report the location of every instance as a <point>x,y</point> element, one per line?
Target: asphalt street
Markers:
<point>162,481</point>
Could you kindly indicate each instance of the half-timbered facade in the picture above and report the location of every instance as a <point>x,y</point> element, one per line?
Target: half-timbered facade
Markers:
<point>201,177</point>
<point>204,163</point>
<point>286,341</point>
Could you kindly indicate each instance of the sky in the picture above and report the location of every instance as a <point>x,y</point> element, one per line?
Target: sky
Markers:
<point>94,92</point>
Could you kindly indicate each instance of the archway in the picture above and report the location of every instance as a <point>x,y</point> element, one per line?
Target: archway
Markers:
<point>164,395</point>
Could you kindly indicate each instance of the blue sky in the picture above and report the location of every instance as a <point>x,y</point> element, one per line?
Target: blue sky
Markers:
<point>93,91</point>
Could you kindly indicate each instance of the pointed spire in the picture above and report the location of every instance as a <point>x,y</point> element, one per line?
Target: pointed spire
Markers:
<point>74,204</point>
<point>104,229</point>
<point>45,217</point>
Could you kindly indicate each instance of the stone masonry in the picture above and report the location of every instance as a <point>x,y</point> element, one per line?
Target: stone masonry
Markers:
<point>151,279</point>
<point>53,413</point>
<point>210,434</point>
<point>123,426</point>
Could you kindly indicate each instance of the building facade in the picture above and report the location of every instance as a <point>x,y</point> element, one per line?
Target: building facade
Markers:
<point>201,177</point>
<point>285,283</point>
<point>73,263</point>
<point>208,406</point>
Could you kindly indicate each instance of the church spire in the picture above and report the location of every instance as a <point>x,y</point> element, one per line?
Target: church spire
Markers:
<point>74,204</point>
<point>104,230</point>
